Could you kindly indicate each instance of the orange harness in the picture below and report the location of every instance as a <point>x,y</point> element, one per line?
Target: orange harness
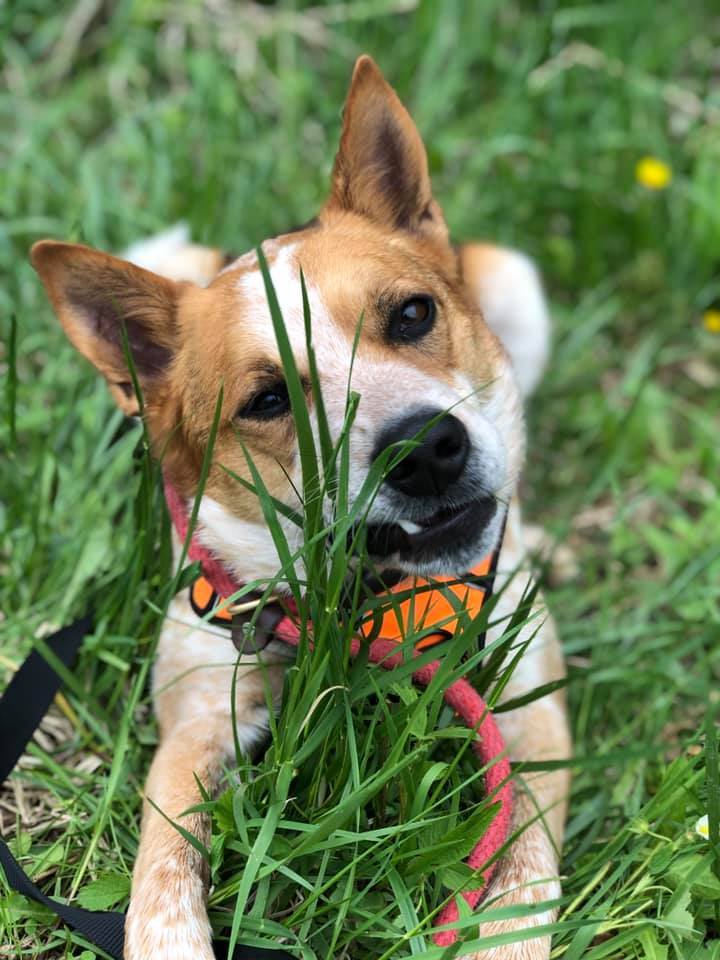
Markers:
<point>421,607</point>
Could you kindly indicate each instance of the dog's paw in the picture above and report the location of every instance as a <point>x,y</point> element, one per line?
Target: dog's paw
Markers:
<point>532,948</point>
<point>167,925</point>
<point>538,949</point>
<point>161,941</point>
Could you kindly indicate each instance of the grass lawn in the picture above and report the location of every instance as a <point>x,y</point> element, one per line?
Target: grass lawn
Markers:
<point>120,119</point>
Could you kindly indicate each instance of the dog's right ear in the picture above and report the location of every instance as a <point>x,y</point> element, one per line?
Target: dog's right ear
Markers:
<point>95,296</point>
<point>381,168</point>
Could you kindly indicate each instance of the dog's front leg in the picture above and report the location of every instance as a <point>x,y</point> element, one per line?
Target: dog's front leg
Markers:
<point>167,916</point>
<point>193,679</point>
<point>528,873</point>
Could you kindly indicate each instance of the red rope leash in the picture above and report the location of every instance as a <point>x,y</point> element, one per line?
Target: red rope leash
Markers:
<point>224,584</point>
<point>489,745</point>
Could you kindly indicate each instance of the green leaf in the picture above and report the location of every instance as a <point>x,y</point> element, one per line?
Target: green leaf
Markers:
<point>699,871</point>
<point>679,914</point>
<point>458,877</point>
<point>105,892</point>
<point>654,950</point>
<point>20,845</point>
<point>455,844</point>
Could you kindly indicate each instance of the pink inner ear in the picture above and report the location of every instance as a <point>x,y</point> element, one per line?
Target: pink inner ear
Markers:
<point>150,358</point>
<point>397,178</point>
<point>105,307</point>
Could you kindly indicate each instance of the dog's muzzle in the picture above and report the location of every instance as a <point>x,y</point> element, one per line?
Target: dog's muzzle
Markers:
<point>439,507</point>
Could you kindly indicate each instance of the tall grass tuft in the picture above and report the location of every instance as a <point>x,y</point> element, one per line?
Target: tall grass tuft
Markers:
<point>346,837</point>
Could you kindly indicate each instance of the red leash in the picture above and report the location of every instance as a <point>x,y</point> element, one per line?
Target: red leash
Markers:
<point>489,745</point>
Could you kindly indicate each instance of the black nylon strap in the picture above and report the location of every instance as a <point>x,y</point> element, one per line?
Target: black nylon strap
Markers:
<point>22,706</point>
<point>31,691</point>
<point>103,928</point>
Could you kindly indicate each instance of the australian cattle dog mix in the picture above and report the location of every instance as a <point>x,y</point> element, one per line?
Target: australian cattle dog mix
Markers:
<point>460,331</point>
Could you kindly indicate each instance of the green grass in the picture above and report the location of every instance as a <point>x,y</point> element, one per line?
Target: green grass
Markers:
<point>534,119</point>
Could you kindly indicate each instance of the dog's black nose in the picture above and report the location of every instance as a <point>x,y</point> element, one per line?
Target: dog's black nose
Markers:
<point>438,459</point>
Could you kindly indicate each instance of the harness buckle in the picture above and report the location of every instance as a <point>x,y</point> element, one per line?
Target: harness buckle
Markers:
<point>246,606</point>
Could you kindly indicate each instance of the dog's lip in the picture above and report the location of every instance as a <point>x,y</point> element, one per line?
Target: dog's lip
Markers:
<point>445,515</point>
<point>442,529</point>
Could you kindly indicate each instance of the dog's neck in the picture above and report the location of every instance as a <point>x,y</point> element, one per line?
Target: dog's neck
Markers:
<point>214,545</point>
<point>215,556</point>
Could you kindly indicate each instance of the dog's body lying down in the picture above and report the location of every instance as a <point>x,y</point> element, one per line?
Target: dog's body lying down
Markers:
<point>434,318</point>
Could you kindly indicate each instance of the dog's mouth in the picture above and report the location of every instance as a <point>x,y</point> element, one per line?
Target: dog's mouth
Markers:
<point>442,532</point>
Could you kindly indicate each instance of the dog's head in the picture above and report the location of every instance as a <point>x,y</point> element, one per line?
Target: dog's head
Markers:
<point>379,251</point>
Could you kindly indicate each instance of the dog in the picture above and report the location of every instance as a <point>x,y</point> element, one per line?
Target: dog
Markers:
<point>461,329</point>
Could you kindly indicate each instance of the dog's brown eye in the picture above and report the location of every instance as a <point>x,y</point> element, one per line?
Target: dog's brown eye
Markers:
<point>267,404</point>
<point>412,319</point>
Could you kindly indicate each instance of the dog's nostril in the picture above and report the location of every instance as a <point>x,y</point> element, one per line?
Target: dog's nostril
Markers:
<point>448,447</point>
<point>436,462</point>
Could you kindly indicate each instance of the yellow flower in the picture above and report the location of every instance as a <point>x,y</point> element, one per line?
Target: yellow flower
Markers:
<point>653,174</point>
<point>711,321</point>
<point>702,827</point>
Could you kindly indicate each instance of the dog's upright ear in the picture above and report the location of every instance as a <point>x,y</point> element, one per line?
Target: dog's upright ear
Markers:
<point>381,168</point>
<point>95,295</point>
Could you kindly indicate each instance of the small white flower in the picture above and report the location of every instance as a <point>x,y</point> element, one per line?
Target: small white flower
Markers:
<point>702,827</point>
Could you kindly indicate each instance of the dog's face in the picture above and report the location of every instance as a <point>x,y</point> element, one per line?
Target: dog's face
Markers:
<point>426,366</point>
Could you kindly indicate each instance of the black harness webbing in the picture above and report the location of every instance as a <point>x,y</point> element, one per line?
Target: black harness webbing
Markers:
<point>22,707</point>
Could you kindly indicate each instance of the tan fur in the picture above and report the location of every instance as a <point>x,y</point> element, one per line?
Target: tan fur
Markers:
<point>538,731</point>
<point>380,233</point>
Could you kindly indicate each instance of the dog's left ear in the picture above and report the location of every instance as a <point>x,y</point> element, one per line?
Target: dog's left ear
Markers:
<point>381,168</point>
<point>95,295</point>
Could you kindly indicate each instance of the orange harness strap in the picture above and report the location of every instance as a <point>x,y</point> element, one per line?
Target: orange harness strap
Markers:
<point>428,606</point>
<point>423,606</point>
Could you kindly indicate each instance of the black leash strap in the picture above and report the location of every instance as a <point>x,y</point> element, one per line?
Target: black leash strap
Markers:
<point>22,707</point>
<point>31,691</point>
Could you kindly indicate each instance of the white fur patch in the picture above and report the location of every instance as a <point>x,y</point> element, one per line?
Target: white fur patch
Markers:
<point>246,547</point>
<point>170,254</point>
<point>152,252</point>
<point>514,307</point>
